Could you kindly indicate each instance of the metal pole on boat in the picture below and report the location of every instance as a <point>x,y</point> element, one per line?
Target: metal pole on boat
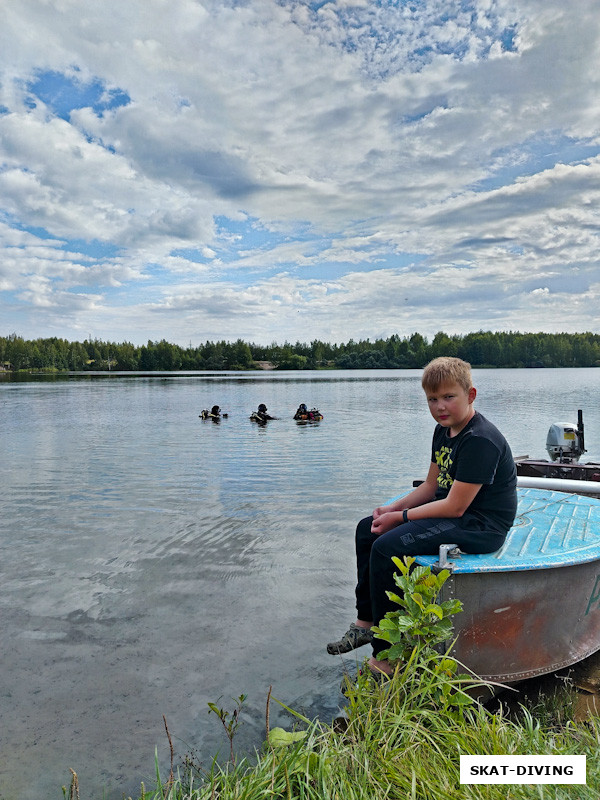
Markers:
<point>580,430</point>
<point>559,485</point>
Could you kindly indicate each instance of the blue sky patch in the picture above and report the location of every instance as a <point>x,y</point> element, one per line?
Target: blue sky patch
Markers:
<point>190,254</point>
<point>39,233</point>
<point>537,155</point>
<point>94,249</point>
<point>250,234</point>
<point>64,94</point>
<point>507,38</point>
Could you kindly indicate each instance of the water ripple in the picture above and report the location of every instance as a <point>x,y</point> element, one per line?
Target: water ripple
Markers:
<point>151,562</point>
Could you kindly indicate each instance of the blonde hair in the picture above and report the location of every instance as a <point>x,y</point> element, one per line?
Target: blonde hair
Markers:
<point>445,369</point>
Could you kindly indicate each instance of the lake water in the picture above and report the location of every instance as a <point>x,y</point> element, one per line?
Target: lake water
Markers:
<point>152,562</point>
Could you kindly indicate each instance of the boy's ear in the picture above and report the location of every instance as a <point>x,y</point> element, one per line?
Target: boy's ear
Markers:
<point>472,394</point>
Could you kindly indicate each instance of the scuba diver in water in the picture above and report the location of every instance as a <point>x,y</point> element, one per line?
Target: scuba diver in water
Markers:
<point>214,414</point>
<point>304,415</point>
<point>261,415</point>
<point>302,412</point>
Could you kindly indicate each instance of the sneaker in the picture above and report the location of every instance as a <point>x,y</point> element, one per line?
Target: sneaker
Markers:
<point>353,638</point>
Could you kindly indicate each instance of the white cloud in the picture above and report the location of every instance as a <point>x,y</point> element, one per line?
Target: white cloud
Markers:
<point>450,150</point>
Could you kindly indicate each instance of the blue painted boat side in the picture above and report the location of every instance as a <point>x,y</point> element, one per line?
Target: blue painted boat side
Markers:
<point>552,529</point>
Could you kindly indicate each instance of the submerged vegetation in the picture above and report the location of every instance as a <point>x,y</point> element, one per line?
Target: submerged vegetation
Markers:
<point>399,738</point>
<point>484,348</point>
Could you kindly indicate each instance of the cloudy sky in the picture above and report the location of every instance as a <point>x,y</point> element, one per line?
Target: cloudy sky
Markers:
<point>288,170</point>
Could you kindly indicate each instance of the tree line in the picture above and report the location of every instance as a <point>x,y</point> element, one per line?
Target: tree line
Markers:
<point>483,348</point>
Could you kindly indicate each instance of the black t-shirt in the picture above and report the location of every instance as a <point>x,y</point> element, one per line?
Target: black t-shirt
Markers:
<point>478,454</point>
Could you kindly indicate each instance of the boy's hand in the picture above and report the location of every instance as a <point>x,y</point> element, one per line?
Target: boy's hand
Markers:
<point>377,512</point>
<point>385,522</point>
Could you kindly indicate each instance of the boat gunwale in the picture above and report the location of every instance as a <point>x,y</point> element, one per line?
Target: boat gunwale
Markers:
<point>504,561</point>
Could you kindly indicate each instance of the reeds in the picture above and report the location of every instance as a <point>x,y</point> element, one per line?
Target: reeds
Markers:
<point>396,745</point>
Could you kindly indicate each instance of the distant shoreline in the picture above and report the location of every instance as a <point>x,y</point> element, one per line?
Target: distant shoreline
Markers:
<point>25,374</point>
<point>483,349</point>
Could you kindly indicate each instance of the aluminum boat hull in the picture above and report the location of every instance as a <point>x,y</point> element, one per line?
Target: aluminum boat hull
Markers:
<point>518,625</point>
<point>534,606</point>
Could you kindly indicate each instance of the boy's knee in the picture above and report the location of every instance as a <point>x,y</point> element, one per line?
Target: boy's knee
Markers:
<point>363,530</point>
<point>381,553</point>
<point>364,525</point>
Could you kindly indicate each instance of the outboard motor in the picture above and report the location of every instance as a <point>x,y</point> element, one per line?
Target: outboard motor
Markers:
<point>564,442</point>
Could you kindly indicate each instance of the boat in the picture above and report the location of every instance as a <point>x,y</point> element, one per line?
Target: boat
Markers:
<point>532,607</point>
<point>565,444</point>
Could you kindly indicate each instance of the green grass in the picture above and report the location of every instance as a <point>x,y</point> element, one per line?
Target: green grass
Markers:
<point>395,745</point>
<point>401,740</point>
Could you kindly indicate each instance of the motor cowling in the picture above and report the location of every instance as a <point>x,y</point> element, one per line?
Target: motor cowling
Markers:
<point>564,442</point>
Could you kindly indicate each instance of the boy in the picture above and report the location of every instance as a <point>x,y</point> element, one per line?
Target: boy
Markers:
<point>468,498</point>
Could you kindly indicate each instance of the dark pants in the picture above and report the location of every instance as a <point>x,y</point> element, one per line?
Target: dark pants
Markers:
<point>374,557</point>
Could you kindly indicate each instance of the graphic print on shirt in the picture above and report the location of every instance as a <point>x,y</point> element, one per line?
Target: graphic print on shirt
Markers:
<point>444,462</point>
